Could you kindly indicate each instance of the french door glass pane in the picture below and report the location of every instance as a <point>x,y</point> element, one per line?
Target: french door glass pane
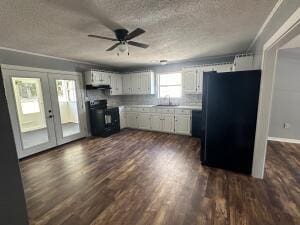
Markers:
<point>66,92</point>
<point>31,112</point>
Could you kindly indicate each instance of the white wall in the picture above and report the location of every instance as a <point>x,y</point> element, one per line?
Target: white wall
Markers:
<point>68,112</point>
<point>286,97</point>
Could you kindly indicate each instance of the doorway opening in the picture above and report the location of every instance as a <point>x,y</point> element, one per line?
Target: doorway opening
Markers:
<point>46,108</point>
<point>288,31</point>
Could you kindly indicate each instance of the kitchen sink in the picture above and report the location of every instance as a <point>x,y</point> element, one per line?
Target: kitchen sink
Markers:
<point>167,105</point>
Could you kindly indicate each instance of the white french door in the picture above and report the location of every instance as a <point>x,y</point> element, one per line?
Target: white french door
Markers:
<point>46,109</point>
<point>67,104</point>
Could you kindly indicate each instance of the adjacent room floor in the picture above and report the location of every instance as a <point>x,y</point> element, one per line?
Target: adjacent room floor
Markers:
<point>40,136</point>
<point>139,177</point>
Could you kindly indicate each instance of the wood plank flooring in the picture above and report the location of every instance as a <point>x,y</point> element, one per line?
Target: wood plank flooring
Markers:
<point>147,178</point>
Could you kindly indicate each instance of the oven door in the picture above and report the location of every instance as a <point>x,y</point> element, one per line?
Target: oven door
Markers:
<point>112,119</point>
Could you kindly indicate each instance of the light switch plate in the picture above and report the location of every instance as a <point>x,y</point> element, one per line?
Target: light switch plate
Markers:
<point>286,125</point>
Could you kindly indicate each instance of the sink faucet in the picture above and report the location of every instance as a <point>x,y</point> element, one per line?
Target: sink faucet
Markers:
<point>168,96</point>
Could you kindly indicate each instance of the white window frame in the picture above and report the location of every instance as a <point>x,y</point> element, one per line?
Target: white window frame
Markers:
<point>158,84</point>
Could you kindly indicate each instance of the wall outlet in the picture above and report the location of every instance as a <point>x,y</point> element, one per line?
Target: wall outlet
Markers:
<point>286,125</point>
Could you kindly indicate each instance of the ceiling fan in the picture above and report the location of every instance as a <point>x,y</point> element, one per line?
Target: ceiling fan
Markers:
<point>123,39</point>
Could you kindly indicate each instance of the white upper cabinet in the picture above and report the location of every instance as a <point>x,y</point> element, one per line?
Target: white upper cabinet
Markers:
<point>126,84</point>
<point>199,81</point>
<point>223,68</point>
<point>192,80</point>
<point>145,83</point>
<point>135,83</point>
<point>189,80</point>
<point>139,83</point>
<point>95,78</point>
<point>116,84</point>
<point>243,62</point>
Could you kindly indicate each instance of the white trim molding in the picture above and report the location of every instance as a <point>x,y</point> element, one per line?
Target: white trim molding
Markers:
<point>32,69</point>
<point>284,34</point>
<point>274,10</point>
<point>47,56</point>
<point>295,141</point>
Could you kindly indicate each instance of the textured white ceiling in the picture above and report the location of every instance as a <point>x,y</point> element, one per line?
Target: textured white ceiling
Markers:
<point>175,29</point>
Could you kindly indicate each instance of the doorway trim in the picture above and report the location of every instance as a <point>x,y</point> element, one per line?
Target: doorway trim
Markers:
<point>289,30</point>
<point>12,109</point>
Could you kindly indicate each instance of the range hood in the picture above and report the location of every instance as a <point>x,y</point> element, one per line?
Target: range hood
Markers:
<point>99,87</point>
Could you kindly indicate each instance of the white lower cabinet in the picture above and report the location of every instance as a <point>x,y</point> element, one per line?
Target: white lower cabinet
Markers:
<point>123,123</point>
<point>168,123</point>
<point>132,120</point>
<point>156,122</point>
<point>162,120</point>
<point>183,124</point>
<point>144,121</point>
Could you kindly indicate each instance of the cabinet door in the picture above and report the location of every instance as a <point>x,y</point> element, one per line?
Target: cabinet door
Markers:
<point>119,84</point>
<point>126,84</point>
<point>168,123</point>
<point>199,81</point>
<point>135,83</point>
<point>189,81</point>
<point>156,122</point>
<point>183,124</point>
<point>223,68</point>
<point>145,83</point>
<point>144,121</point>
<point>132,120</point>
<point>105,78</point>
<point>116,85</point>
<point>123,123</point>
<point>113,85</point>
<point>96,78</point>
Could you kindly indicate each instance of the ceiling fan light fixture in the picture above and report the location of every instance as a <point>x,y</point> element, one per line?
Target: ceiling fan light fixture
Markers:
<point>123,47</point>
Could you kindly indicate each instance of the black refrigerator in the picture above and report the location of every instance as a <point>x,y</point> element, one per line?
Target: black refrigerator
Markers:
<point>229,107</point>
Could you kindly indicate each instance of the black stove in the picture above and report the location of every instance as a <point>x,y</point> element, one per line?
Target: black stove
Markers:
<point>104,121</point>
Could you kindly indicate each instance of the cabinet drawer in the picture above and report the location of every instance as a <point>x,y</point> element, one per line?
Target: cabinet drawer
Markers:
<point>182,111</point>
<point>127,109</point>
<point>167,111</point>
<point>155,110</point>
<point>134,109</point>
<point>145,110</point>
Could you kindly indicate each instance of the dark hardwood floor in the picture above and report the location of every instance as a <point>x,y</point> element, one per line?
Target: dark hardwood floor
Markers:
<point>147,178</point>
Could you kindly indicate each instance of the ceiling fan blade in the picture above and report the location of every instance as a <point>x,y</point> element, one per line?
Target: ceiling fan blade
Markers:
<point>113,47</point>
<point>137,44</point>
<point>135,33</point>
<point>101,37</point>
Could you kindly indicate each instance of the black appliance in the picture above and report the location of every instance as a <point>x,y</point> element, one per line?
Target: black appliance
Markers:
<point>229,106</point>
<point>196,123</point>
<point>98,87</point>
<point>104,121</point>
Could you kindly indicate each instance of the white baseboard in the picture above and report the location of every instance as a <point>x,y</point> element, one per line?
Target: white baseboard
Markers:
<point>284,140</point>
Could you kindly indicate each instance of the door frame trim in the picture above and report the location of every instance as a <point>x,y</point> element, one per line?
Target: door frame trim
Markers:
<point>55,107</point>
<point>33,69</point>
<point>12,112</point>
<point>10,97</point>
<point>289,30</point>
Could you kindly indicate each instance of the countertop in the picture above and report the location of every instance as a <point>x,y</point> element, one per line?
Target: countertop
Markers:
<point>191,107</point>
